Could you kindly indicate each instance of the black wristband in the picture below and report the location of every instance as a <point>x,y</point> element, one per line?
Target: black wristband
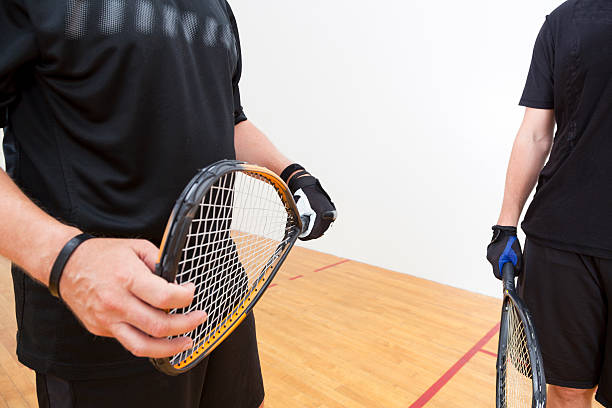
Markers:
<point>62,260</point>
<point>292,168</point>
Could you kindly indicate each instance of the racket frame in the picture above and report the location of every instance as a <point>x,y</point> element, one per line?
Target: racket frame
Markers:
<point>175,236</point>
<point>511,297</point>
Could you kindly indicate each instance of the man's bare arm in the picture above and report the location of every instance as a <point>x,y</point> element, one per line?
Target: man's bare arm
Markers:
<point>28,236</point>
<point>312,201</point>
<point>107,283</point>
<point>531,148</point>
<point>254,147</point>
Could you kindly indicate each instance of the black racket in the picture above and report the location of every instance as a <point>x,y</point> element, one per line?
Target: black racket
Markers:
<point>230,230</point>
<point>520,371</point>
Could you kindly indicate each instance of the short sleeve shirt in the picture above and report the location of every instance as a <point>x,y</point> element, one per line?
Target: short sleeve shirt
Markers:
<point>571,72</point>
<point>109,108</point>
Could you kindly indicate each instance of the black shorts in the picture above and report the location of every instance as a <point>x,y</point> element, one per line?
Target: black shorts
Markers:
<point>230,377</point>
<point>567,294</point>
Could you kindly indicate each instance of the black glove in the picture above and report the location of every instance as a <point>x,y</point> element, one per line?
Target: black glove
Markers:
<point>504,247</point>
<point>312,201</point>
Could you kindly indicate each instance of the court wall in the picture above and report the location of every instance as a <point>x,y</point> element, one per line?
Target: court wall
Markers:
<point>406,110</point>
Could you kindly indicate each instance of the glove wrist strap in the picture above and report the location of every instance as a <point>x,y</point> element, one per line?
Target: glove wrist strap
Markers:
<point>292,168</point>
<point>503,228</point>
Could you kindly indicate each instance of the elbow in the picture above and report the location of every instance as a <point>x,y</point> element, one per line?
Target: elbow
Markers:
<point>542,140</point>
<point>536,139</point>
<point>537,128</point>
<point>533,143</point>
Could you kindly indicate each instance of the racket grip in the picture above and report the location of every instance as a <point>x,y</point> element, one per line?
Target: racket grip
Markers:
<point>508,275</point>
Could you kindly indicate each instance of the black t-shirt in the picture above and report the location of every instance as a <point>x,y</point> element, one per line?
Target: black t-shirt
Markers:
<point>571,72</point>
<point>110,107</point>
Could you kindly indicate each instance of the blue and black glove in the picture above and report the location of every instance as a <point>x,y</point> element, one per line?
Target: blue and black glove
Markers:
<point>504,247</point>
<point>311,200</point>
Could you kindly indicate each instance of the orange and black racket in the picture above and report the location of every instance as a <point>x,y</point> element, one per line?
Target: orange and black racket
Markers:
<point>229,232</point>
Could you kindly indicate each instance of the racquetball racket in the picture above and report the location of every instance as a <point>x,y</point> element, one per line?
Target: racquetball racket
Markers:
<point>520,371</point>
<point>230,230</point>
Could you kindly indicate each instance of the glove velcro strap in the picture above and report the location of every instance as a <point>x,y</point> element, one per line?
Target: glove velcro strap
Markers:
<point>297,182</point>
<point>302,179</point>
<point>500,231</point>
<point>510,230</point>
<point>292,168</point>
<point>298,174</point>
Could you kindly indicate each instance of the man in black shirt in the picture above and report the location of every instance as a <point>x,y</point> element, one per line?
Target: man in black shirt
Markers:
<point>109,108</point>
<point>567,264</point>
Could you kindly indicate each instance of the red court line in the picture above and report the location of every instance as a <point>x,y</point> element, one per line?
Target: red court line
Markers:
<point>488,352</point>
<point>316,270</point>
<point>332,265</point>
<point>446,377</point>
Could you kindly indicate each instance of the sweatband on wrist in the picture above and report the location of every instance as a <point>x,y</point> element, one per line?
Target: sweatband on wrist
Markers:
<point>62,260</point>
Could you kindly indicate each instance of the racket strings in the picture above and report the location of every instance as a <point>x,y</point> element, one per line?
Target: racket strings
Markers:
<point>238,232</point>
<point>517,370</point>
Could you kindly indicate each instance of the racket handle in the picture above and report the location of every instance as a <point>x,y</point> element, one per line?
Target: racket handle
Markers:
<point>508,275</point>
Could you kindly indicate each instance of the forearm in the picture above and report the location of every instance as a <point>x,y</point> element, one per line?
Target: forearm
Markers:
<point>254,147</point>
<point>28,236</point>
<point>529,153</point>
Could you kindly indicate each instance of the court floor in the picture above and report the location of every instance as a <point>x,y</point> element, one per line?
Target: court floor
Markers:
<point>338,333</point>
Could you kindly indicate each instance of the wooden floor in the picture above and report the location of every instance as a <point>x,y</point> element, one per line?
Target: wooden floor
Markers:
<point>354,335</point>
<point>17,387</point>
<point>338,333</point>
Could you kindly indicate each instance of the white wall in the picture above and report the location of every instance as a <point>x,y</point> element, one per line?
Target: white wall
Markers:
<point>406,110</point>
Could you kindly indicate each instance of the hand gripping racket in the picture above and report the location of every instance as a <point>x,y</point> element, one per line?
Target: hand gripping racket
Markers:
<point>520,371</point>
<point>230,230</point>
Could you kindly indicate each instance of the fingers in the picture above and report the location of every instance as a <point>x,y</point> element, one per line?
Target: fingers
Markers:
<point>313,201</point>
<point>146,251</point>
<point>161,324</point>
<point>330,215</point>
<point>153,289</point>
<point>110,288</point>
<point>159,293</point>
<point>141,345</point>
